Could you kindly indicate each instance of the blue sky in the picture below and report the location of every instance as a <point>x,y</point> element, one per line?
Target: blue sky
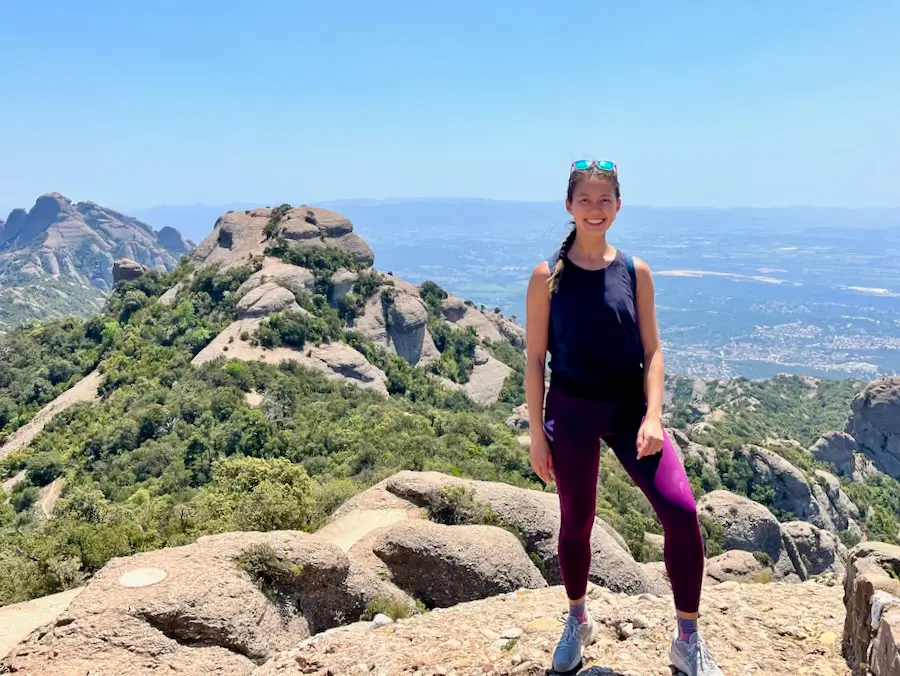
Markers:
<point>764,103</point>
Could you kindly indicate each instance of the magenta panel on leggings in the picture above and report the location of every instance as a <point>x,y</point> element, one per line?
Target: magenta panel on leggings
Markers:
<point>574,427</point>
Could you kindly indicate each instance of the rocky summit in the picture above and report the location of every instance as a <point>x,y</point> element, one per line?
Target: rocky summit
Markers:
<point>384,589</point>
<point>57,258</point>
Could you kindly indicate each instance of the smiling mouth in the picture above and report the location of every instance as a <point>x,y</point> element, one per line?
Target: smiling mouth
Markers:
<point>594,221</point>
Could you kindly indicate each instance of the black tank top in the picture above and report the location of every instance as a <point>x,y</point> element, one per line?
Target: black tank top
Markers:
<point>594,342</point>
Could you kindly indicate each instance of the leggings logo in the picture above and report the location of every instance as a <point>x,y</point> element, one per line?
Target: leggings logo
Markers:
<point>548,429</point>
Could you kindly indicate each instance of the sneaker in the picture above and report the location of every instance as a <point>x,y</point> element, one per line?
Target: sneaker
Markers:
<point>576,637</point>
<point>693,657</point>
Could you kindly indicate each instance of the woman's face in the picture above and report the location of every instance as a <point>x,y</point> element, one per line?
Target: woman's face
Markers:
<point>594,205</point>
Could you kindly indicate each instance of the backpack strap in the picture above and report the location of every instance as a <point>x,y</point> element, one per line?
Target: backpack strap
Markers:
<point>629,264</point>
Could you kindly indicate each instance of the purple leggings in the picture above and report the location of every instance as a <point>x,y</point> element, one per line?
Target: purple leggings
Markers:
<point>574,427</point>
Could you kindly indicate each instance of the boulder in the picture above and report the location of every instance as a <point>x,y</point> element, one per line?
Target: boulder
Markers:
<point>342,283</point>
<point>843,512</point>
<point>875,424</point>
<point>266,299</point>
<point>396,320</point>
<point>737,565</point>
<point>836,449</point>
<point>219,606</point>
<point>872,601</point>
<point>291,277</point>
<point>750,527</point>
<point>342,360</point>
<point>535,515</point>
<point>792,491</point>
<point>689,450</point>
<point>820,550</point>
<point>446,565</point>
<point>126,269</point>
<point>656,543</point>
<point>488,326</point>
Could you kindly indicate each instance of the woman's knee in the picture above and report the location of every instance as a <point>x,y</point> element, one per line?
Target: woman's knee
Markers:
<point>680,517</point>
<point>577,522</point>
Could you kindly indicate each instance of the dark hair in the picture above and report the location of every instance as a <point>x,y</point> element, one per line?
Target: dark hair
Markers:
<point>574,178</point>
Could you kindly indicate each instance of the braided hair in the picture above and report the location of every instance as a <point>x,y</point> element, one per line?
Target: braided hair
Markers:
<point>569,239</point>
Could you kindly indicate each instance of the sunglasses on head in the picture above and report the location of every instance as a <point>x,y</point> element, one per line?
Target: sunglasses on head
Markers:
<point>584,165</point>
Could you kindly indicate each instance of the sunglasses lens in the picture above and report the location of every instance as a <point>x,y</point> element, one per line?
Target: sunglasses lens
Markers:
<point>606,165</point>
<point>581,165</point>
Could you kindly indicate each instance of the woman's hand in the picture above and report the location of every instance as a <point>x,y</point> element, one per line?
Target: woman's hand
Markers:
<point>650,438</point>
<point>541,461</point>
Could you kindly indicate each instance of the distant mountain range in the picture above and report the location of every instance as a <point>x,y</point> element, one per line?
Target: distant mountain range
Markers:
<point>475,215</point>
<point>57,258</point>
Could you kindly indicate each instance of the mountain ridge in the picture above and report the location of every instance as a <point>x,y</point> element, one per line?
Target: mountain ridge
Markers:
<point>57,257</point>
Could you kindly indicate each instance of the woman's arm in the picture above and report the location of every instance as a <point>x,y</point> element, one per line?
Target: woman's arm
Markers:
<point>654,372</point>
<point>537,322</point>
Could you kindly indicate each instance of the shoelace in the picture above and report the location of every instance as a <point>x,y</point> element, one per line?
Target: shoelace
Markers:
<point>571,631</point>
<point>702,655</point>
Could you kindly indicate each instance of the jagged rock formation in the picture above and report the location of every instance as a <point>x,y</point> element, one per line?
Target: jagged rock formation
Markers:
<point>238,236</point>
<point>81,240</point>
<point>57,258</point>
<point>394,316</point>
<point>874,424</point>
<point>872,599</point>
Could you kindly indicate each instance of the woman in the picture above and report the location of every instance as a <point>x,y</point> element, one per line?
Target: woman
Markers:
<point>592,308</point>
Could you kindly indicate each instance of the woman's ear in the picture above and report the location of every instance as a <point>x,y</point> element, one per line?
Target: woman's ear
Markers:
<point>618,205</point>
<point>569,206</point>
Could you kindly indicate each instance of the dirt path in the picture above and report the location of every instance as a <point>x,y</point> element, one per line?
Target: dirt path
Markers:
<point>49,495</point>
<point>84,390</point>
<point>20,619</point>
<point>10,484</point>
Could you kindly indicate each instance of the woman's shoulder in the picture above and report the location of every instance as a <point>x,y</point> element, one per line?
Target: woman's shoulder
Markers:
<point>542,270</point>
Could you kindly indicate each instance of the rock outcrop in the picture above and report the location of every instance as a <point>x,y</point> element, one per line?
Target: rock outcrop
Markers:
<point>395,318</point>
<point>274,271</point>
<point>266,299</point>
<point>820,550</point>
<point>81,240</point>
<point>734,565</point>
<point>875,424</point>
<point>486,379</point>
<point>239,236</point>
<point>535,515</point>
<point>446,565</point>
<point>335,360</point>
<point>872,598</point>
<point>173,241</point>
<point>125,269</point>
<point>488,326</point>
<point>751,527</point>
<point>839,450</point>
<point>258,604</point>
<point>57,258</point>
<point>222,605</point>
